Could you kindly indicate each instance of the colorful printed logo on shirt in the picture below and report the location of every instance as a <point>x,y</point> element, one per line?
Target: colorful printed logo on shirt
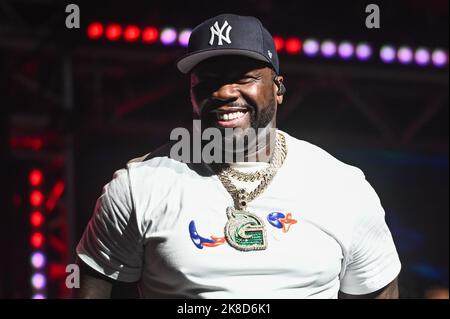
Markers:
<point>200,241</point>
<point>280,220</point>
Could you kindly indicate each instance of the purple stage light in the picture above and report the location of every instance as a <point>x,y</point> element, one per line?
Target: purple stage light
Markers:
<point>39,281</point>
<point>38,260</point>
<point>346,50</point>
<point>38,296</point>
<point>168,36</point>
<point>405,55</point>
<point>183,37</point>
<point>439,58</point>
<point>311,47</point>
<point>387,53</point>
<point>422,56</point>
<point>363,51</point>
<point>328,48</point>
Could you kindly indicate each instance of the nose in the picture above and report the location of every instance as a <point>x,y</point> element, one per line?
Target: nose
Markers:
<point>226,92</point>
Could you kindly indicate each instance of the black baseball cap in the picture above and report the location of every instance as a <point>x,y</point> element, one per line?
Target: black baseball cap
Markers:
<point>229,34</point>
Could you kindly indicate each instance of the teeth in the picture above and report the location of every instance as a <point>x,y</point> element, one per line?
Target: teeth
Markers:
<point>229,116</point>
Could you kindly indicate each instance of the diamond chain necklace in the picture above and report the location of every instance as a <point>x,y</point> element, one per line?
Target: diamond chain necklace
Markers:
<point>240,196</point>
<point>244,230</point>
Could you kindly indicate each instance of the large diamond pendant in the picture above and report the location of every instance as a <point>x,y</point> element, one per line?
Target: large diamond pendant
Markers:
<point>245,231</point>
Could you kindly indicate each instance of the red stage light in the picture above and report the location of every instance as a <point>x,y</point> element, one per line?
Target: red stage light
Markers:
<point>54,196</point>
<point>131,33</point>
<point>36,198</point>
<point>35,177</point>
<point>57,271</point>
<point>293,45</point>
<point>113,32</point>
<point>26,142</point>
<point>150,35</point>
<point>36,219</point>
<point>95,30</point>
<point>279,43</point>
<point>37,240</point>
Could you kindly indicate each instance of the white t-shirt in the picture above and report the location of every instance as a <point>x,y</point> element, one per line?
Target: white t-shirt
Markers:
<point>154,221</point>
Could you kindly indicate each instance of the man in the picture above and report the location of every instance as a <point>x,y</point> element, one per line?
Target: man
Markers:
<point>293,222</point>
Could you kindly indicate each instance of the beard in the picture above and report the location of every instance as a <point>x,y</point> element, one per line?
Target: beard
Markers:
<point>245,144</point>
<point>263,118</point>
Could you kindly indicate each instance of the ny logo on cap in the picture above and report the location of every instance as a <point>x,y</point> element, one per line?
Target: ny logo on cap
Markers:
<point>215,30</point>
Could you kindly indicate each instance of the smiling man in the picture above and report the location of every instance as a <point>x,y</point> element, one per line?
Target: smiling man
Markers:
<point>236,93</point>
<point>294,222</point>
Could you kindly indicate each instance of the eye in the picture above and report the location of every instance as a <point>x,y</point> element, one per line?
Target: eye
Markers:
<point>246,79</point>
<point>204,87</point>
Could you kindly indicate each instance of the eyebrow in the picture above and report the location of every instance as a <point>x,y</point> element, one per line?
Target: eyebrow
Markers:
<point>257,72</point>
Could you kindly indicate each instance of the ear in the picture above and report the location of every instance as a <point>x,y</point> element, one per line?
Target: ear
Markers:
<point>279,97</point>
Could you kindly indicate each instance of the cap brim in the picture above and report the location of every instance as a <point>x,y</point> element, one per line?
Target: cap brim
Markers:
<point>188,62</point>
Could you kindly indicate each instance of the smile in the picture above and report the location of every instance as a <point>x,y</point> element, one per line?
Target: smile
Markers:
<point>230,116</point>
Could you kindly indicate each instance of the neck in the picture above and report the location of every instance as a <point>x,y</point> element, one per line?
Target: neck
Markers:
<point>258,148</point>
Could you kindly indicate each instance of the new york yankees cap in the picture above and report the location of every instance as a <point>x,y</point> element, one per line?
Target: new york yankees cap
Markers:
<point>229,34</point>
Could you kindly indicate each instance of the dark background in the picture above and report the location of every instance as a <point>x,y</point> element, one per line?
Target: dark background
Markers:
<point>96,104</point>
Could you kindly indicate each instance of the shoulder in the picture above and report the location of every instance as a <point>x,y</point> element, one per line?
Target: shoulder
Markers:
<point>158,173</point>
<point>331,184</point>
<point>316,163</point>
<point>156,163</point>
<point>146,167</point>
<point>339,196</point>
<point>140,173</point>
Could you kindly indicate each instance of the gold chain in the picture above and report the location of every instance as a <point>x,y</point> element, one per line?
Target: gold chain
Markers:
<point>240,196</point>
<point>259,175</point>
